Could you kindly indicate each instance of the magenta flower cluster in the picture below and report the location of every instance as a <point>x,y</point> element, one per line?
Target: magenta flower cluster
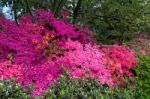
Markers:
<point>37,51</point>
<point>86,61</point>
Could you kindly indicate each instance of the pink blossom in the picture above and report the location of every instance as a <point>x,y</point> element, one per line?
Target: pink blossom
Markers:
<point>38,53</point>
<point>142,52</point>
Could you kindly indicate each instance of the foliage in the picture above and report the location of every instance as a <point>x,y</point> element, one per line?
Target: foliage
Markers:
<point>9,89</point>
<point>116,20</point>
<point>86,88</point>
<point>143,76</point>
<point>73,88</point>
<point>144,23</point>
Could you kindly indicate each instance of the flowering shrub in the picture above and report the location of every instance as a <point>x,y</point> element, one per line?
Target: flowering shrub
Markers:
<point>8,70</point>
<point>59,27</point>
<point>19,41</point>
<point>40,75</point>
<point>109,65</point>
<point>120,60</point>
<point>39,51</point>
<point>85,61</point>
<point>28,41</point>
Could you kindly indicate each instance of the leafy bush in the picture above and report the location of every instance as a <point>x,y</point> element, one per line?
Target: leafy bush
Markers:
<point>143,77</point>
<point>115,20</point>
<point>9,89</point>
<point>66,88</point>
<point>144,23</point>
<point>73,88</point>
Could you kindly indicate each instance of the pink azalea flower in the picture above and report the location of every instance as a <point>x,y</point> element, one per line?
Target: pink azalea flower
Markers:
<point>142,52</point>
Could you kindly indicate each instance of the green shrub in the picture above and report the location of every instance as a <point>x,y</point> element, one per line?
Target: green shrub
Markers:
<point>143,77</point>
<point>9,89</point>
<point>117,20</point>
<point>72,88</point>
<point>89,88</point>
<point>144,23</point>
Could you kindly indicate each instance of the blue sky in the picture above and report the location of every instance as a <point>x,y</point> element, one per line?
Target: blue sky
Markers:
<point>7,12</point>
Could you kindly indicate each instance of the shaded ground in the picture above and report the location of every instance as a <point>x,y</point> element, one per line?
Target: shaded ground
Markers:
<point>140,42</point>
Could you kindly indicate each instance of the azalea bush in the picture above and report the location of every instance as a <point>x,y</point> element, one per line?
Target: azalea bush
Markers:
<point>40,49</point>
<point>66,87</point>
<point>137,87</point>
<point>120,60</point>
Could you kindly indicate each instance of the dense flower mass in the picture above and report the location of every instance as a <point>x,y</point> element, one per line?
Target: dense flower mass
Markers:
<point>85,61</point>
<point>37,51</point>
<point>120,60</point>
<point>8,70</point>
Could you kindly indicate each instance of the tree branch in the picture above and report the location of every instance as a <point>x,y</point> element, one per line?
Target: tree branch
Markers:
<point>28,7</point>
<point>76,10</point>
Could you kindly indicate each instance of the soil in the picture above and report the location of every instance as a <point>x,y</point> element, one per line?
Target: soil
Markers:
<point>140,42</point>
